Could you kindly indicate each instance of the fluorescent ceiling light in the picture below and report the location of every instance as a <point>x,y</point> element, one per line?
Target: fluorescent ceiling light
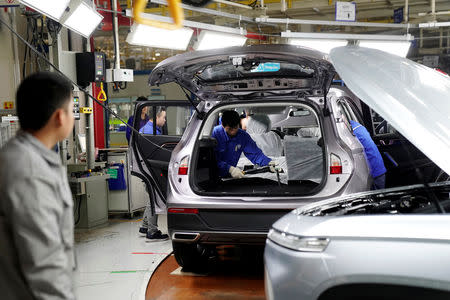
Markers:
<point>82,18</point>
<point>52,8</point>
<point>159,38</point>
<point>399,48</point>
<point>324,46</point>
<point>214,40</point>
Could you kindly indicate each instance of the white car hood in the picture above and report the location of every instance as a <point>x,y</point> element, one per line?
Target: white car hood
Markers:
<point>413,98</point>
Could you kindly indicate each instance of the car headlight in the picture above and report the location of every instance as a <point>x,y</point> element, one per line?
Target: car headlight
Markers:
<point>306,244</point>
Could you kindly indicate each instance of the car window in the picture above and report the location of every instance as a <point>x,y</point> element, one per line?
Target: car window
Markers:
<point>170,120</point>
<point>288,134</point>
<point>345,114</point>
<point>379,125</point>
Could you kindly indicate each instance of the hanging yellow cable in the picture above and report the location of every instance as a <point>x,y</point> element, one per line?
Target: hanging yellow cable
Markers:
<point>101,95</point>
<point>176,12</point>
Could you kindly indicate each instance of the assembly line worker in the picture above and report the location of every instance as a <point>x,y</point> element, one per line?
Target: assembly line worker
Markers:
<point>160,121</point>
<point>373,155</point>
<point>143,120</point>
<point>231,142</point>
<point>149,226</point>
<point>36,214</point>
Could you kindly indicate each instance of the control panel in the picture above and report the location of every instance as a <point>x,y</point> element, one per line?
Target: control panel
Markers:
<point>90,67</point>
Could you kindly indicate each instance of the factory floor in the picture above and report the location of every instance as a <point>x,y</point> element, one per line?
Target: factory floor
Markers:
<point>114,262</point>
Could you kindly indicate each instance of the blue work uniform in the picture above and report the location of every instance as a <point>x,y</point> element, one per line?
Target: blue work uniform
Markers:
<point>148,128</point>
<point>228,150</point>
<point>373,156</point>
<point>130,122</point>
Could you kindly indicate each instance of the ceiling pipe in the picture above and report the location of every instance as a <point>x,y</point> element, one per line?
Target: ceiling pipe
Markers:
<point>406,11</point>
<point>433,9</point>
<point>331,23</point>
<point>115,25</point>
<point>283,5</point>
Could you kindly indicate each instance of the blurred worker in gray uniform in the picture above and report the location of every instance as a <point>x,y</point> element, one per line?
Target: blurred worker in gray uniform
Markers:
<point>36,217</point>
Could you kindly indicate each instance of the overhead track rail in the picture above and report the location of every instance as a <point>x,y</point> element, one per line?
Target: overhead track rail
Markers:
<point>333,23</point>
<point>193,24</point>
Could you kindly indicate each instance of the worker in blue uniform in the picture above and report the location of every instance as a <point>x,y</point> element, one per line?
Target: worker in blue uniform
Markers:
<point>160,121</point>
<point>373,155</point>
<point>142,122</point>
<point>232,141</point>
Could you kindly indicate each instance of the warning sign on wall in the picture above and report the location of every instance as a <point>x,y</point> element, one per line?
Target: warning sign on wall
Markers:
<point>8,105</point>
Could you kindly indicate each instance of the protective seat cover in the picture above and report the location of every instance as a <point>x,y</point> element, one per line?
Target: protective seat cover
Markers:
<point>258,127</point>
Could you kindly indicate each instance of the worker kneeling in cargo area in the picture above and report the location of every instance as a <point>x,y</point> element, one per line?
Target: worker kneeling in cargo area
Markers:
<point>231,142</point>
<point>36,214</point>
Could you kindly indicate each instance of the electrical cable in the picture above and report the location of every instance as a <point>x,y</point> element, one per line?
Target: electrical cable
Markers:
<point>81,89</point>
<point>78,210</point>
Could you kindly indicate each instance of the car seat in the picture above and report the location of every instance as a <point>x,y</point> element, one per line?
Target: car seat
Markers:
<point>258,127</point>
<point>304,157</point>
<point>309,132</point>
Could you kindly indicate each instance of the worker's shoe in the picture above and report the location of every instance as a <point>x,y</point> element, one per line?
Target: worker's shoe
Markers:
<point>156,236</point>
<point>143,231</point>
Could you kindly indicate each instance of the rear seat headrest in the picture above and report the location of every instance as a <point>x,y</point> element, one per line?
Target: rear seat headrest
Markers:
<point>258,124</point>
<point>311,131</point>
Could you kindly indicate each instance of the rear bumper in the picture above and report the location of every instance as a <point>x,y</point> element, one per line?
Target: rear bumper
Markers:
<point>223,226</point>
<point>219,237</point>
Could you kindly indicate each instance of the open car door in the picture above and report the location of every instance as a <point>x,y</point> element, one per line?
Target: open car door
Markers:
<point>151,150</point>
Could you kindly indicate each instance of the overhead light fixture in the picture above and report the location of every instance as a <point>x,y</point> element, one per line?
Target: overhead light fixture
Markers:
<point>324,46</point>
<point>82,18</point>
<point>397,48</point>
<point>395,44</point>
<point>213,40</point>
<point>144,35</point>
<point>51,8</point>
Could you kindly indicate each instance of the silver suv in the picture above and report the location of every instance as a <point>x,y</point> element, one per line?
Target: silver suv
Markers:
<point>387,244</point>
<point>288,107</point>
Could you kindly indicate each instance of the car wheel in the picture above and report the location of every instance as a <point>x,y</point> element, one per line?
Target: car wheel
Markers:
<point>192,257</point>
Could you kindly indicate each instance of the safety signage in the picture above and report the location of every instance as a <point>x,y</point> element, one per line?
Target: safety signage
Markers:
<point>112,173</point>
<point>346,11</point>
<point>8,105</point>
<point>86,110</point>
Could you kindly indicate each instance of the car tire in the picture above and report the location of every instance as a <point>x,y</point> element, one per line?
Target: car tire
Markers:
<point>192,257</point>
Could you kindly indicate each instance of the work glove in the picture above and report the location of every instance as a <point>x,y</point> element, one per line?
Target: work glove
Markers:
<point>273,166</point>
<point>236,172</point>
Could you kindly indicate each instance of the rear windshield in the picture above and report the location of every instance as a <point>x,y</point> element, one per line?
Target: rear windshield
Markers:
<point>278,147</point>
<point>227,71</point>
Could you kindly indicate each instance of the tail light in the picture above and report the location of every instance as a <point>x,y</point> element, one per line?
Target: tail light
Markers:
<point>335,164</point>
<point>184,166</point>
<point>174,210</point>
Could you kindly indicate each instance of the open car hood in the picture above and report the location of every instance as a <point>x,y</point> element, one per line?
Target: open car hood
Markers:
<point>413,98</point>
<point>280,69</point>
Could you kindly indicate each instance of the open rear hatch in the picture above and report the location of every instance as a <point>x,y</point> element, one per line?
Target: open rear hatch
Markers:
<point>277,69</point>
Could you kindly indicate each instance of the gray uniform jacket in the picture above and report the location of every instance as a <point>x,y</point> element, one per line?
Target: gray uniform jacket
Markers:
<point>36,223</point>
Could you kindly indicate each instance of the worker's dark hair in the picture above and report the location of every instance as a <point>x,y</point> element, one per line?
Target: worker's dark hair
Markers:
<point>141,98</point>
<point>39,96</point>
<point>159,110</point>
<point>230,118</point>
